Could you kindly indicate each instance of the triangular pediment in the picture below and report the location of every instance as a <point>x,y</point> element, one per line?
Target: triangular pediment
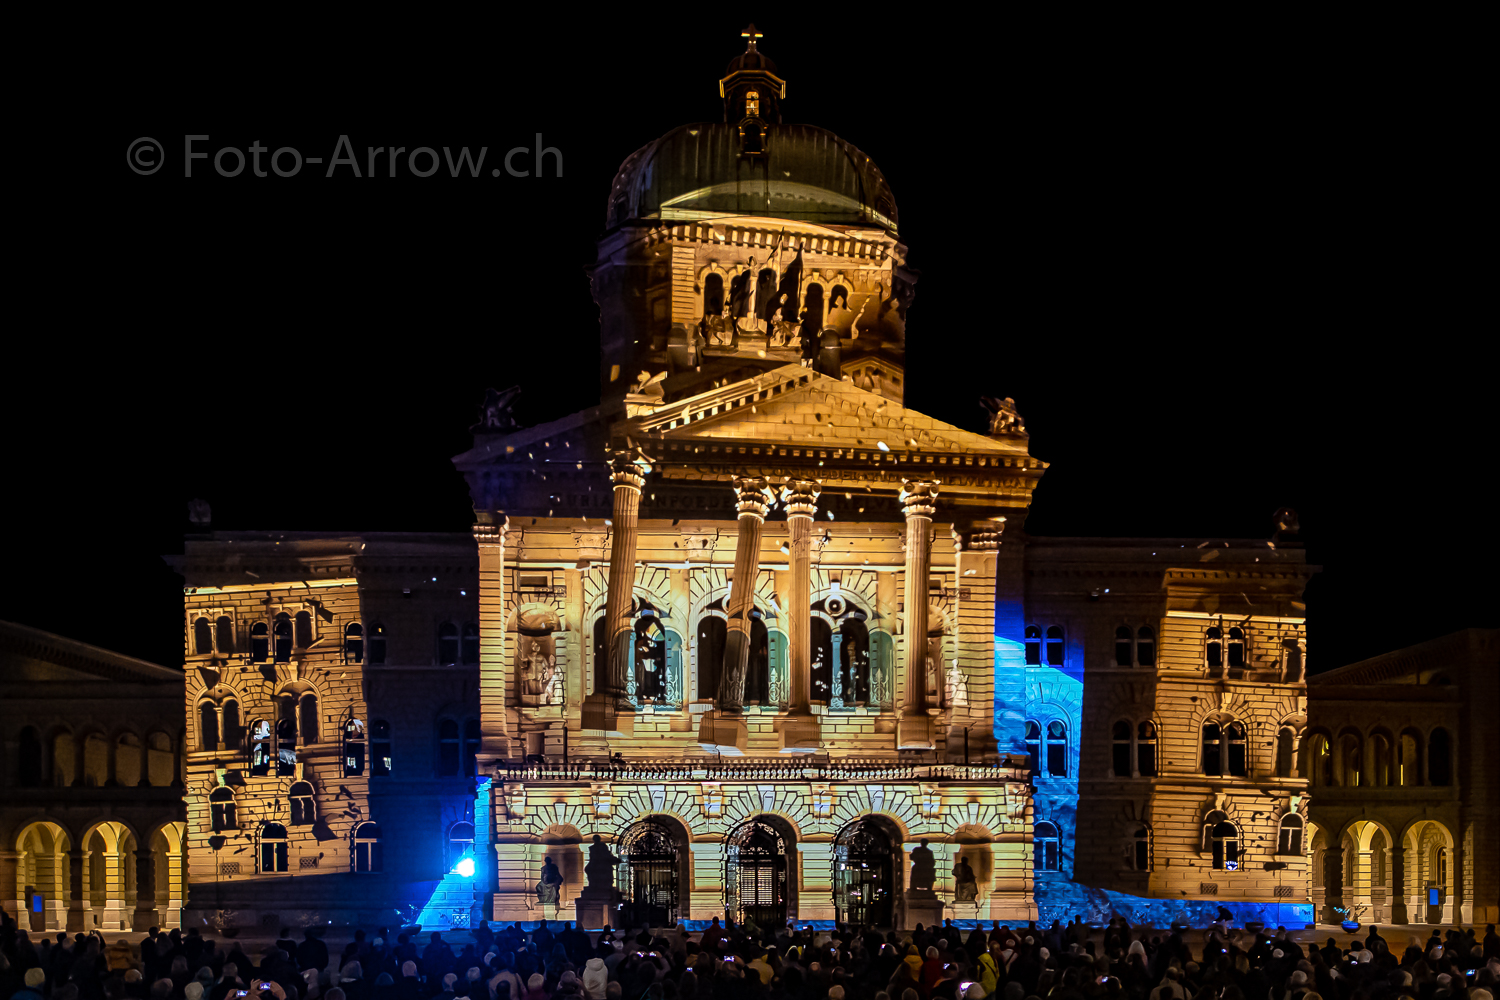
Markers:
<point>795,405</point>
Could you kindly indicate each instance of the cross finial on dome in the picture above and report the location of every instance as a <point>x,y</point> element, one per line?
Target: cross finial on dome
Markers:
<point>752,35</point>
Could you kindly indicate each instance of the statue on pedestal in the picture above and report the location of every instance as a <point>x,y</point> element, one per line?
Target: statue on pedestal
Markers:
<point>966,886</point>
<point>600,870</point>
<point>923,867</point>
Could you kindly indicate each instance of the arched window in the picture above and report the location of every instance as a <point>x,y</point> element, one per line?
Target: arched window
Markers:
<point>1121,747</point>
<point>471,747</point>
<point>221,810</point>
<point>1045,845</point>
<point>854,661</point>
<point>224,635</point>
<point>307,717</point>
<point>354,748</point>
<point>1234,735</point>
<point>262,748</point>
<point>1214,651</point>
<point>304,629</point>
<point>272,847</point>
<point>813,302</point>
<point>300,798</point>
<point>1286,743</point>
<point>713,295</point>
<point>1236,648</point>
<point>1124,648</point>
<point>367,852</point>
<point>29,759</point>
<point>1409,759</point>
<point>1381,752</point>
<point>1289,837</point>
<point>1293,655</point>
<point>1055,646</point>
<point>1223,841</point>
<point>1033,746</point>
<point>1033,646</point>
<point>460,845</point>
<point>448,644</point>
<point>758,670</point>
<point>208,725</point>
<point>354,643</point>
<point>1145,749</point>
<point>260,639</point>
<point>650,660</point>
<point>1213,760</point>
<point>286,748</point>
<point>231,734</point>
<point>1057,749</point>
<point>712,636</point>
<point>448,749</point>
<point>470,651</point>
<point>1140,854</point>
<point>380,748</point>
<point>1353,753</point>
<point>1145,646</point>
<point>283,632</point>
<point>1439,759</point>
<point>203,637</point>
<point>377,644</point>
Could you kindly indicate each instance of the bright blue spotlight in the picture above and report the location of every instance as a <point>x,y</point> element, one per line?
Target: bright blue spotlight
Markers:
<point>465,867</point>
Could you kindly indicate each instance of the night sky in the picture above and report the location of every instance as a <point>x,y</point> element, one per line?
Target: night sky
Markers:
<point>1215,285</point>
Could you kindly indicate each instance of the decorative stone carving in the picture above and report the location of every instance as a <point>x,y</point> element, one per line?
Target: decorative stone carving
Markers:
<point>923,867</point>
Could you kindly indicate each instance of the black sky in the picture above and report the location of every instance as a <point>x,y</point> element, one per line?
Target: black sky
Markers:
<point>1215,284</point>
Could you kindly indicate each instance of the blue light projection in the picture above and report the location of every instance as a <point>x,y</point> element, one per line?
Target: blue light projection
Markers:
<point>457,901</point>
<point>1045,694</point>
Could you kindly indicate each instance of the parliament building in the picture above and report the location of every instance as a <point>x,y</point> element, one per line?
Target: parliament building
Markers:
<point>752,623</point>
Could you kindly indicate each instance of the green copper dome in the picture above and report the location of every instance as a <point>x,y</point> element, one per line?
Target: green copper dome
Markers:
<point>800,172</point>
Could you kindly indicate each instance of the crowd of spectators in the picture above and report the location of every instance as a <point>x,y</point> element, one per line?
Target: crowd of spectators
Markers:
<point>560,962</point>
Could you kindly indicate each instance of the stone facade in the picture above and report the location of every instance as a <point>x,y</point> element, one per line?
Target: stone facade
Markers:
<point>332,725</point>
<point>1402,756</point>
<point>91,817</point>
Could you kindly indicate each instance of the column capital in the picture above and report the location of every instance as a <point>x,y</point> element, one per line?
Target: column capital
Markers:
<point>801,497</point>
<point>753,496</point>
<point>623,471</point>
<point>979,535</point>
<point>918,497</point>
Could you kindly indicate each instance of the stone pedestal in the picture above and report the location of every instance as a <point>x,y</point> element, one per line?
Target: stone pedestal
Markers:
<point>800,734</point>
<point>724,733</point>
<point>921,906</point>
<point>597,909</point>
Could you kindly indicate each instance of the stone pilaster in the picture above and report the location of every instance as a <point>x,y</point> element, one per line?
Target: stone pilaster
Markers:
<point>800,732</point>
<point>494,724</point>
<point>915,728</point>
<point>1333,885</point>
<point>145,891</point>
<point>723,729</point>
<point>609,709</point>
<point>78,903</point>
<point>971,730</point>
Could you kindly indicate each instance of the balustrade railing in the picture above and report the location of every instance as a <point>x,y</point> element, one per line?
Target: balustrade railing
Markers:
<point>771,769</point>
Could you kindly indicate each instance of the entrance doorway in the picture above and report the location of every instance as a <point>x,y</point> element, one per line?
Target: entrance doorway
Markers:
<point>864,874</point>
<point>647,875</point>
<point>755,875</point>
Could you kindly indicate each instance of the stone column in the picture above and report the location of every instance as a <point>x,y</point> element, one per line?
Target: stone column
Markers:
<point>145,891</point>
<point>78,901</point>
<point>723,729</point>
<point>914,729</point>
<point>1338,761</point>
<point>800,732</point>
<point>609,709</point>
<point>80,759</point>
<point>1400,914</point>
<point>15,903</point>
<point>145,781</point>
<point>494,727</point>
<point>111,752</point>
<point>1333,884</point>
